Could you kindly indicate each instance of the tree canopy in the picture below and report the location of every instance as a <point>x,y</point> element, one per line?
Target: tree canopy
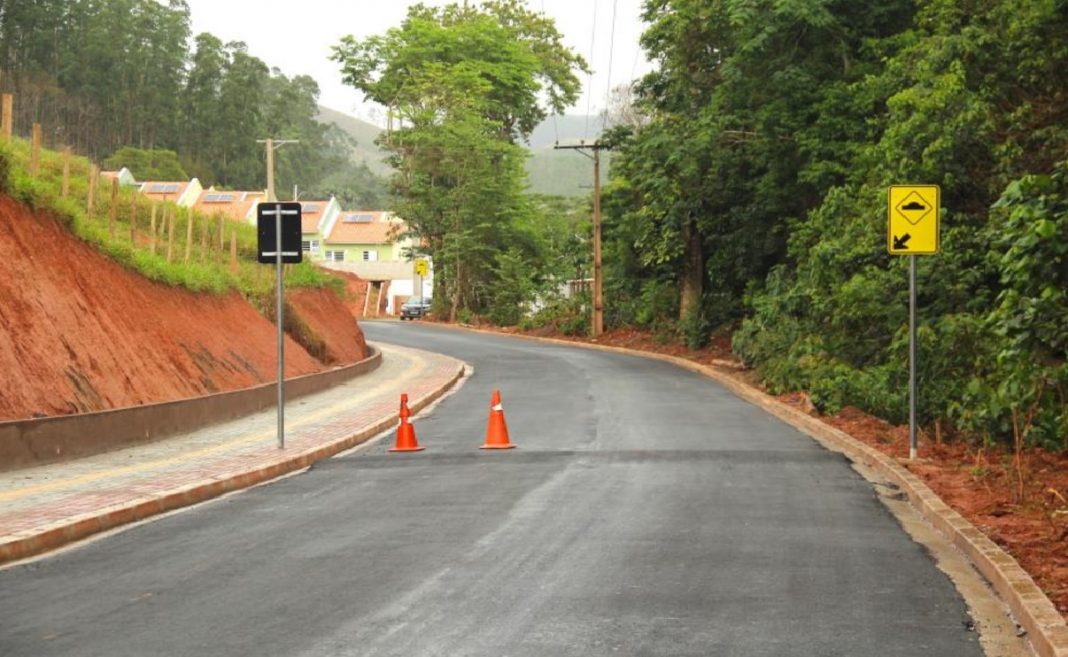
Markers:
<point>463,83</point>
<point>756,193</point>
<point>101,75</point>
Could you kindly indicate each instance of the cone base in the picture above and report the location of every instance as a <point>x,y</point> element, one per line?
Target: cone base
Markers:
<point>406,449</point>
<point>497,447</point>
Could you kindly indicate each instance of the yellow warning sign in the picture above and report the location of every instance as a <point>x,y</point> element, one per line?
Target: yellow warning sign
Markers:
<point>421,267</point>
<point>913,220</point>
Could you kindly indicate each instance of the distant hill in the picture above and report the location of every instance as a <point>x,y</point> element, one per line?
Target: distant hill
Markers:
<point>558,173</point>
<point>363,132</point>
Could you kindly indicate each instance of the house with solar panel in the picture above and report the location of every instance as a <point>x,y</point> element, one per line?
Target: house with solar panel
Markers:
<point>123,175</point>
<point>375,246</point>
<point>184,194</point>
<point>232,205</point>
<point>315,216</point>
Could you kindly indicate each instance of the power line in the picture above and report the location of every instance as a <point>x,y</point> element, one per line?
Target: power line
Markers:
<point>589,79</point>
<point>611,55</point>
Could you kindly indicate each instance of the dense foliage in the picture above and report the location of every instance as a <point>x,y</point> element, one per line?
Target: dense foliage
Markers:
<point>100,75</point>
<point>463,84</point>
<point>756,192</point>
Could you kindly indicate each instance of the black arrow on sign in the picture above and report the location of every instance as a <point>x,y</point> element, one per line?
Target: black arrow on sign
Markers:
<point>901,243</point>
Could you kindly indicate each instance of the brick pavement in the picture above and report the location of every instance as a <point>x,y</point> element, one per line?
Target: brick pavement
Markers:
<point>47,507</point>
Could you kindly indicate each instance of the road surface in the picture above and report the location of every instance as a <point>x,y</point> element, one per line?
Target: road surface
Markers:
<point>646,511</point>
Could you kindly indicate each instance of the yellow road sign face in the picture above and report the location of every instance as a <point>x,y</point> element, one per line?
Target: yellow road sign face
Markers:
<point>421,267</point>
<point>913,220</point>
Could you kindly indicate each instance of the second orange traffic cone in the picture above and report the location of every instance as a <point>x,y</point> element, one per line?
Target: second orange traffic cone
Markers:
<point>406,441</point>
<point>497,429</point>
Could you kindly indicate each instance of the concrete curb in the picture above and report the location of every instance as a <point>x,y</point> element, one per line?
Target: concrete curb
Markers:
<point>71,530</point>
<point>1034,611</point>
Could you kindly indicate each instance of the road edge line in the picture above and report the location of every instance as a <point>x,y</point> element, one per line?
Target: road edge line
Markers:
<point>1035,612</point>
<point>80,527</point>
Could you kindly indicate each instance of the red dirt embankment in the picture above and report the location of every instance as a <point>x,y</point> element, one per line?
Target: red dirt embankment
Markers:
<point>331,325</point>
<point>80,333</point>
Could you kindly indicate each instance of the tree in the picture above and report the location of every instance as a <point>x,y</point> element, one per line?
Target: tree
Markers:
<point>148,164</point>
<point>463,84</point>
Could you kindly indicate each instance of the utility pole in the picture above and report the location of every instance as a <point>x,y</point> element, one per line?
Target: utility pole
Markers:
<point>598,275</point>
<point>272,145</point>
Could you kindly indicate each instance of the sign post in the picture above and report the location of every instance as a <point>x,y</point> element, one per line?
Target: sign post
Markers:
<point>422,267</point>
<point>278,230</point>
<point>913,222</point>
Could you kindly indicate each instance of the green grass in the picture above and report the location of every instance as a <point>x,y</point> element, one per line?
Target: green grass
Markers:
<point>207,269</point>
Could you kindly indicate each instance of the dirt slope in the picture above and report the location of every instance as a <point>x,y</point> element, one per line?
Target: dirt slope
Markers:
<point>331,327</point>
<point>80,333</point>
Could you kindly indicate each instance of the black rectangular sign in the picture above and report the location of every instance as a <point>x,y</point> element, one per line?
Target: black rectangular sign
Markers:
<point>266,216</point>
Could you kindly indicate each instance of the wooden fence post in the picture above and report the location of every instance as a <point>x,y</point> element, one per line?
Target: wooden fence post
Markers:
<point>8,118</point>
<point>90,206</point>
<point>113,210</point>
<point>233,252</point>
<point>204,239</point>
<point>133,219</point>
<point>222,233</point>
<point>188,234</point>
<point>152,237</point>
<point>171,220</point>
<point>66,172</point>
<point>35,150</point>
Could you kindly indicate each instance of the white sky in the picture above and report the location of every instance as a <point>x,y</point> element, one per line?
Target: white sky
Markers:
<point>296,36</point>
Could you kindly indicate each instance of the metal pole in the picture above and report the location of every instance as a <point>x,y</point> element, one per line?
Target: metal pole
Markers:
<point>912,357</point>
<point>281,333</point>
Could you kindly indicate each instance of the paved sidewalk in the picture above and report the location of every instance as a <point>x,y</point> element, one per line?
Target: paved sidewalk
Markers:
<point>47,507</point>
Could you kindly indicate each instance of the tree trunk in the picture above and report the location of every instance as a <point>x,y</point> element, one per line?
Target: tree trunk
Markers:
<point>692,276</point>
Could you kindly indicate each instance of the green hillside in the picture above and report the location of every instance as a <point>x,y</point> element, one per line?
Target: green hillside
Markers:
<point>552,172</point>
<point>364,133</point>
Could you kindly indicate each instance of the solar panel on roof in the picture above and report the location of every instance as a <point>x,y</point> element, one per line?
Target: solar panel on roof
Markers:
<point>359,218</point>
<point>220,198</point>
<point>309,207</point>
<point>163,188</point>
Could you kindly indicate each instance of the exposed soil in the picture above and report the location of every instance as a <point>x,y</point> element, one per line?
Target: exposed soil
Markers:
<point>1029,519</point>
<point>356,290</point>
<point>330,326</point>
<point>80,333</point>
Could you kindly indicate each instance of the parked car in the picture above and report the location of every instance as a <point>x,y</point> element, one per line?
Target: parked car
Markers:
<point>415,308</point>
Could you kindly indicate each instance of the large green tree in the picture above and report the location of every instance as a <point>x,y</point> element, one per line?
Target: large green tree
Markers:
<point>463,83</point>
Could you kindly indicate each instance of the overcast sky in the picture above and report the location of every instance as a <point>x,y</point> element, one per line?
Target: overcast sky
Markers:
<point>296,36</point>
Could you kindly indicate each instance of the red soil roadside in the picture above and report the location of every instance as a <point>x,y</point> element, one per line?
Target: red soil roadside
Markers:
<point>332,324</point>
<point>79,333</point>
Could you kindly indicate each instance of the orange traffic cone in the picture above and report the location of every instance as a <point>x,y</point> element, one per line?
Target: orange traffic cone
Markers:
<point>497,429</point>
<point>406,441</point>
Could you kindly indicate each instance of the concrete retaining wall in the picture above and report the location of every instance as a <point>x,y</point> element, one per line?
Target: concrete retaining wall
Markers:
<point>26,443</point>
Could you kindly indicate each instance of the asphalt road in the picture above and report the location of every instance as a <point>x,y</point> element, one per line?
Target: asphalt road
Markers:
<point>646,512</point>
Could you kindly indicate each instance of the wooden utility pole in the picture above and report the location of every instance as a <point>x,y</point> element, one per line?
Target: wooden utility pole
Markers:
<point>598,275</point>
<point>272,145</point>
<point>8,118</point>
